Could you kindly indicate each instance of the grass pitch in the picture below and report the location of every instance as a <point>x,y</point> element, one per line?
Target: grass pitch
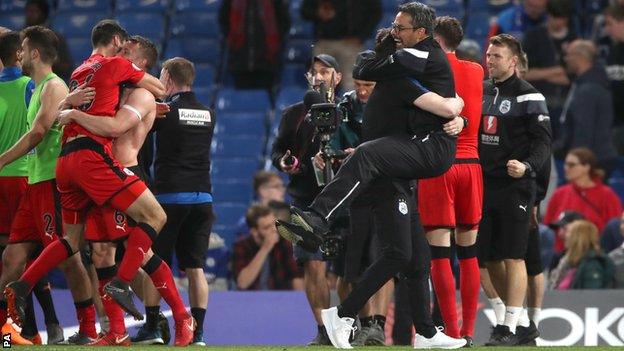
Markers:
<point>299,348</point>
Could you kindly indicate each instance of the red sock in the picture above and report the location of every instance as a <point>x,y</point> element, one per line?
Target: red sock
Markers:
<point>444,285</point>
<point>85,311</point>
<point>469,279</point>
<point>50,258</point>
<point>163,281</point>
<point>139,242</point>
<point>113,311</point>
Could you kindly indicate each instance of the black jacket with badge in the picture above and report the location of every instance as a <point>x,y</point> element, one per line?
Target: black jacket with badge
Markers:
<point>515,126</point>
<point>297,134</point>
<point>183,140</point>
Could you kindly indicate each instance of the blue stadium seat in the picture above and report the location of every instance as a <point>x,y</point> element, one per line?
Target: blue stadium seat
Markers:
<point>295,5</point>
<point>84,5</point>
<point>76,24</point>
<point>232,100</point>
<point>80,49</point>
<point>204,24</point>
<point>235,146</point>
<point>239,190</point>
<point>293,75</point>
<point>230,168</point>
<point>298,51</point>
<point>197,5</point>
<point>478,25</point>
<point>13,21</point>
<point>301,30</point>
<point>197,50</point>
<point>391,5</point>
<point>494,6</point>
<point>247,123</point>
<point>205,95</point>
<point>617,184</point>
<point>289,95</point>
<point>151,25</point>
<point>12,6</point>
<point>144,6</point>
<point>228,213</point>
<point>204,75</point>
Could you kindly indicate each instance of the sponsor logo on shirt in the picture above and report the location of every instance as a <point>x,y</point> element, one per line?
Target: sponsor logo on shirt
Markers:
<point>403,207</point>
<point>194,117</point>
<point>490,124</point>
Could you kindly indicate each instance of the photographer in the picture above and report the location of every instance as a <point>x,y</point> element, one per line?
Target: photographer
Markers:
<point>293,150</point>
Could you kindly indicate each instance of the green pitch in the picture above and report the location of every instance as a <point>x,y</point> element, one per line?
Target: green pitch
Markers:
<point>296,348</point>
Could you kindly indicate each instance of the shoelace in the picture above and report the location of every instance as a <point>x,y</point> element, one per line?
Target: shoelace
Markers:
<point>348,329</point>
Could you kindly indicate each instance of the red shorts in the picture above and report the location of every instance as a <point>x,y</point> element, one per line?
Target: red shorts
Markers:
<point>11,191</point>
<point>453,199</point>
<point>106,224</point>
<point>88,174</point>
<point>38,216</point>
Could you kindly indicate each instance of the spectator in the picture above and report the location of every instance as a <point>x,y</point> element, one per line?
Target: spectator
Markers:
<point>517,19</point>
<point>583,266</point>
<point>584,193</point>
<point>264,261</point>
<point>587,19</point>
<point>544,46</point>
<point>255,32</point>
<point>469,50</point>
<point>617,256</point>
<point>267,187</point>
<point>37,13</point>
<point>587,115</point>
<point>561,228</point>
<point>613,234</point>
<point>341,27</point>
<point>613,54</point>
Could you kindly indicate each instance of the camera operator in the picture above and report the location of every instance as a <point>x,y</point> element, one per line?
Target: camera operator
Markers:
<point>293,150</point>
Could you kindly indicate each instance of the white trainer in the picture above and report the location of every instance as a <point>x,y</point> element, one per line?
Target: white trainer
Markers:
<point>338,329</point>
<point>438,341</point>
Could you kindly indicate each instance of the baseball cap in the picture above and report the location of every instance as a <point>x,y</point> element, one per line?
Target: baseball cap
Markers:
<point>566,217</point>
<point>328,60</point>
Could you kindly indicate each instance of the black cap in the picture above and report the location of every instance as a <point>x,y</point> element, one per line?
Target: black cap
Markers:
<point>328,60</point>
<point>566,217</point>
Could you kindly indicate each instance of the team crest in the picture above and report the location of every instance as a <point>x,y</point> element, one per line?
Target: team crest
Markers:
<point>128,172</point>
<point>403,207</point>
<point>505,106</point>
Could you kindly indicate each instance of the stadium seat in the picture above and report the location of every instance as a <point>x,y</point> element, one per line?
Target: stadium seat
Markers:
<point>494,6</point>
<point>295,5</point>
<point>84,5</point>
<point>247,123</point>
<point>235,146</point>
<point>228,213</point>
<point>298,51</point>
<point>80,49</point>
<point>160,6</point>
<point>13,21</point>
<point>205,95</point>
<point>478,24</point>
<point>232,100</point>
<point>301,30</point>
<point>204,24</point>
<point>289,95</point>
<point>617,184</point>
<point>197,5</point>
<point>293,75</point>
<point>197,50</point>
<point>391,5</point>
<point>204,75</point>
<point>230,168</point>
<point>76,24</point>
<point>151,25</point>
<point>239,190</point>
<point>12,6</point>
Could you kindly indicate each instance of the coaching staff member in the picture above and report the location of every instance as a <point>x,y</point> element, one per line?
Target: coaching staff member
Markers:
<point>183,188</point>
<point>395,202</point>
<point>514,143</point>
